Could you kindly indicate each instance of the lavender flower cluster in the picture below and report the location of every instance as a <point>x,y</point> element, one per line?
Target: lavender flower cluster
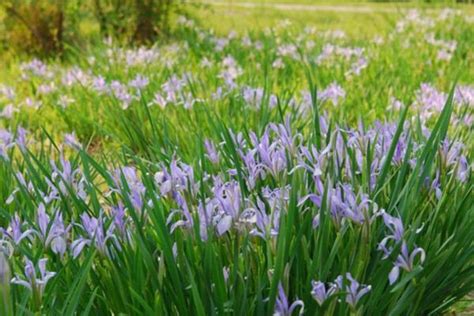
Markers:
<point>250,197</point>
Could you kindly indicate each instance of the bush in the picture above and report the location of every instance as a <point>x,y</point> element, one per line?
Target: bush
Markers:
<point>140,21</point>
<point>45,27</point>
<point>35,27</point>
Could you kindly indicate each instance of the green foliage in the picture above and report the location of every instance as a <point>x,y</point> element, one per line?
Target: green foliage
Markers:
<point>154,270</point>
<point>36,27</point>
<point>139,21</point>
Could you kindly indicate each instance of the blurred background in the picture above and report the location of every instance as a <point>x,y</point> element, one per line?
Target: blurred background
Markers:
<point>59,28</point>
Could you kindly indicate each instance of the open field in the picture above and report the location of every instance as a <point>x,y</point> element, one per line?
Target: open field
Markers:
<point>360,20</point>
<point>266,160</point>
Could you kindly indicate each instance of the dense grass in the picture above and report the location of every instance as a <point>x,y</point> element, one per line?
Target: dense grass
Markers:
<point>254,173</point>
<point>361,20</point>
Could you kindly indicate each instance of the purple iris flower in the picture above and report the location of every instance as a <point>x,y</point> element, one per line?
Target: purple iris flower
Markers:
<point>187,219</point>
<point>14,232</point>
<point>406,261</point>
<point>334,93</point>
<point>70,139</point>
<point>285,135</point>
<point>179,177</point>
<point>229,197</point>
<point>463,170</point>
<point>54,233</point>
<point>95,234</point>
<point>31,280</point>
<point>120,220</point>
<point>283,307</point>
<point>395,225</point>
<point>6,142</point>
<point>133,184</point>
<point>21,140</point>
<point>205,214</point>
<point>264,225</point>
<point>139,83</point>
<point>355,291</point>
<point>343,202</point>
<point>272,154</point>
<point>211,152</point>
<point>313,161</point>
<point>255,171</point>
<point>321,292</point>
<point>172,88</point>
<point>66,177</point>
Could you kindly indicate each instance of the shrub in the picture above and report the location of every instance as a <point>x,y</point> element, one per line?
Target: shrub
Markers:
<point>141,21</point>
<point>36,27</point>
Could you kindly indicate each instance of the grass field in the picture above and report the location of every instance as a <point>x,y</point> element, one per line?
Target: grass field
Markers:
<point>262,161</point>
<point>360,20</point>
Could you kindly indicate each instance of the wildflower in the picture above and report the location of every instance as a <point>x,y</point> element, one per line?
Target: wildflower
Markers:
<point>321,293</point>
<point>395,104</point>
<point>36,68</point>
<point>120,92</point>
<point>95,235</point>
<point>128,183</point>
<point>334,93</point>
<point>444,55</point>
<point>21,138</point>
<point>206,63</point>
<point>206,212</point>
<point>246,41</point>
<point>75,75</point>
<point>231,70</point>
<point>31,281</point>
<point>53,233</point>
<point>429,100</point>
<point>179,177</point>
<point>100,85</point>
<point>253,96</point>
<point>355,291</point>
<point>358,65</point>
<point>464,95</point>
<point>228,198</point>
<point>265,225</point>
<point>32,103</point>
<point>14,231</point>
<point>283,307</point>
<point>226,273</point>
<point>70,139</point>
<point>272,154</point>
<point>172,88</point>
<point>7,92</point>
<point>395,225</point>
<point>45,89</point>
<point>406,261</point>
<point>188,100</point>
<point>287,50</point>
<point>159,100</point>
<point>184,210</point>
<point>221,43</point>
<point>139,82</point>
<point>211,152</point>
<point>463,170</point>
<point>120,220</point>
<point>64,101</point>
<point>8,111</point>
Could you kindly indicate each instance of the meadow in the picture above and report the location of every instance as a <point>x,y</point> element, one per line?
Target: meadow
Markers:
<point>287,163</point>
